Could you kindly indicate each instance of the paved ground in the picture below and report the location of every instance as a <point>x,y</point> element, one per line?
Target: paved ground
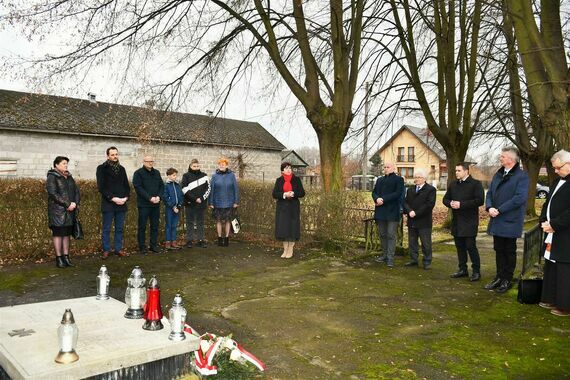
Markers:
<point>319,316</point>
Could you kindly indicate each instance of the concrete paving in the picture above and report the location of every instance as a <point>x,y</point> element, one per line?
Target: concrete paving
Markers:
<point>107,341</point>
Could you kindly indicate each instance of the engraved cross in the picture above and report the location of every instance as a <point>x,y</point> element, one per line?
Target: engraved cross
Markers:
<point>21,333</point>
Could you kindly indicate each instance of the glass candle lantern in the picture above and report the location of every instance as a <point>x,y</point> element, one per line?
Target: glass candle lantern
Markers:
<point>177,319</point>
<point>135,295</point>
<point>153,310</point>
<point>103,280</point>
<point>67,334</point>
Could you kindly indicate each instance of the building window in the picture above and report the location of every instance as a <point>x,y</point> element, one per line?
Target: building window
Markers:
<point>8,167</point>
<point>411,156</point>
<point>401,152</point>
<point>406,172</point>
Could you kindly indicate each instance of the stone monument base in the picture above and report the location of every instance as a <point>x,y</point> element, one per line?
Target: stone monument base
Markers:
<point>109,345</point>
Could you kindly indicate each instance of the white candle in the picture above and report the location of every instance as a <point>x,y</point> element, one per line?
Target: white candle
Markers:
<point>135,298</point>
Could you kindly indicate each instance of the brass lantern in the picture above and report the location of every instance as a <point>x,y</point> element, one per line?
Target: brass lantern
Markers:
<point>67,334</point>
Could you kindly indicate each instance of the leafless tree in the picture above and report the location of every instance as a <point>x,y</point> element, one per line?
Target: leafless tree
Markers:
<point>313,48</point>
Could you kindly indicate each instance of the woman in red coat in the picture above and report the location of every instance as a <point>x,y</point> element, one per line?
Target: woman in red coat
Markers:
<point>287,191</point>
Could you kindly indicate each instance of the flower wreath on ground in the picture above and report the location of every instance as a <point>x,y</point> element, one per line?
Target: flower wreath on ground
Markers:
<point>219,353</point>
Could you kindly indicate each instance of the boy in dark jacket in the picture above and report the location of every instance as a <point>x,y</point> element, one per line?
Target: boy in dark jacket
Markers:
<point>173,199</point>
<point>196,188</point>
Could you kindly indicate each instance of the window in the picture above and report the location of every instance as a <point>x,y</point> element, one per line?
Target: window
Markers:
<point>411,156</point>
<point>8,167</point>
<point>401,152</point>
<point>406,172</point>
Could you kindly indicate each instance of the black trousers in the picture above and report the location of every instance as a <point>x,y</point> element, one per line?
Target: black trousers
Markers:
<point>424,234</point>
<point>556,284</point>
<point>505,256</point>
<point>146,214</point>
<point>467,245</point>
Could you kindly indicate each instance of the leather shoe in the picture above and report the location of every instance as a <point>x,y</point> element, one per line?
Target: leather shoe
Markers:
<point>189,244</point>
<point>560,312</point>
<point>380,259</point>
<point>155,249</point>
<point>476,276</point>
<point>504,286</point>
<point>493,284</point>
<point>459,274</point>
<point>546,305</point>
<point>122,253</point>
<point>202,244</point>
<point>411,264</point>
<point>105,255</point>
<point>427,266</point>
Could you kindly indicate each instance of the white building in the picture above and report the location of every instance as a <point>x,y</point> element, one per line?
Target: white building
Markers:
<point>35,128</point>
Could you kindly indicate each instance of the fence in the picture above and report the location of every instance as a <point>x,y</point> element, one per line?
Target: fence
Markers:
<point>532,247</point>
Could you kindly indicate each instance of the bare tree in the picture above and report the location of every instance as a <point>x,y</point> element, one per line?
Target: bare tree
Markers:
<point>313,48</point>
<point>545,64</point>
<point>436,49</point>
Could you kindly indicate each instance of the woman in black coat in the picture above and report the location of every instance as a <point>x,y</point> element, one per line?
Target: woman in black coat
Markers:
<point>63,200</point>
<point>287,191</point>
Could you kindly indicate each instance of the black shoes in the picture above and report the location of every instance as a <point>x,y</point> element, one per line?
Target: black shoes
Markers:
<point>189,244</point>
<point>493,284</point>
<point>154,250</point>
<point>66,261</point>
<point>412,264</point>
<point>427,266</point>
<point>59,262</point>
<point>226,241</point>
<point>476,276</point>
<point>202,244</point>
<point>459,274</point>
<point>504,286</point>
<point>380,259</point>
<point>143,251</point>
<point>220,241</point>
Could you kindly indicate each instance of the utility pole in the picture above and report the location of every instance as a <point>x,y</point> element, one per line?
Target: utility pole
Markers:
<point>365,142</point>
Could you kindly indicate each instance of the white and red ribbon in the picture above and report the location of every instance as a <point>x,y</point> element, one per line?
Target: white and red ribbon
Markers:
<point>203,361</point>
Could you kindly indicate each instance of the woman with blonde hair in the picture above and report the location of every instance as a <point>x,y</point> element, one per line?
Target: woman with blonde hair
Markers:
<point>223,199</point>
<point>287,191</point>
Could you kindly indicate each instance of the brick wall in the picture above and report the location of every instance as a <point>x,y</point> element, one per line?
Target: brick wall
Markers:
<point>34,154</point>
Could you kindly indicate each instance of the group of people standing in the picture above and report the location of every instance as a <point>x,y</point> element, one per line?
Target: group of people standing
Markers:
<point>506,205</point>
<point>195,193</point>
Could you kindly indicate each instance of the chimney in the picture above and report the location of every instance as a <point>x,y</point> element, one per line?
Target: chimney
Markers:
<point>91,96</point>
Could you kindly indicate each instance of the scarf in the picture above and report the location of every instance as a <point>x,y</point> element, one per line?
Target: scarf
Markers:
<point>287,184</point>
<point>115,166</point>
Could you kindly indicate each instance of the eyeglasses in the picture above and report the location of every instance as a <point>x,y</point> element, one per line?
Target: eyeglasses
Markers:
<point>148,161</point>
<point>559,167</point>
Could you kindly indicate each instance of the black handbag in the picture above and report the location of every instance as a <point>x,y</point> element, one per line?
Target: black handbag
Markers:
<point>77,229</point>
<point>529,290</point>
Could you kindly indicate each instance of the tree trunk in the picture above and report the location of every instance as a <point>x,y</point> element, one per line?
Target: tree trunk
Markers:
<point>532,167</point>
<point>330,141</point>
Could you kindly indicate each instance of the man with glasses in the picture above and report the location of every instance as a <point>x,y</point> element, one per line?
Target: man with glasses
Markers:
<point>418,205</point>
<point>506,205</point>
<point>388,196</point>
<point>555,222</point>
<point>113,184</point>
<point>149,187</point>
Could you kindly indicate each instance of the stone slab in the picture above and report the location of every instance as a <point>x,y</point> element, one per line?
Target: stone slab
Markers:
<point>107,341</point>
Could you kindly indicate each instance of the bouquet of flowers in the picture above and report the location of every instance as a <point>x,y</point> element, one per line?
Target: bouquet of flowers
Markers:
<point>219,355</point>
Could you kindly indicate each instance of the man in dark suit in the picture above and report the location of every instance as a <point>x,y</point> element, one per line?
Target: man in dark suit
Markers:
<point>506,204</point>
<point>464,197</point>
<point>555,222</point>
<point>418,206</point>
<point>388,196</point>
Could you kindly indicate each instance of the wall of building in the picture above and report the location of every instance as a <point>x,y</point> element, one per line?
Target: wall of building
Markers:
<point>24,154</point>
<point>423,157</point>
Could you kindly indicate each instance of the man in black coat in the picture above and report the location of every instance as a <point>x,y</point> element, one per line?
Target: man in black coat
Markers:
<point>388,196</point>
<point>464,197</point>
<point>418,206</point>
<point>113,185</point>
<point>149,187</point>
<point>555,222</point>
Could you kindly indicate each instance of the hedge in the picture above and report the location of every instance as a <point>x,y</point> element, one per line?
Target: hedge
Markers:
<point>26,236</point>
